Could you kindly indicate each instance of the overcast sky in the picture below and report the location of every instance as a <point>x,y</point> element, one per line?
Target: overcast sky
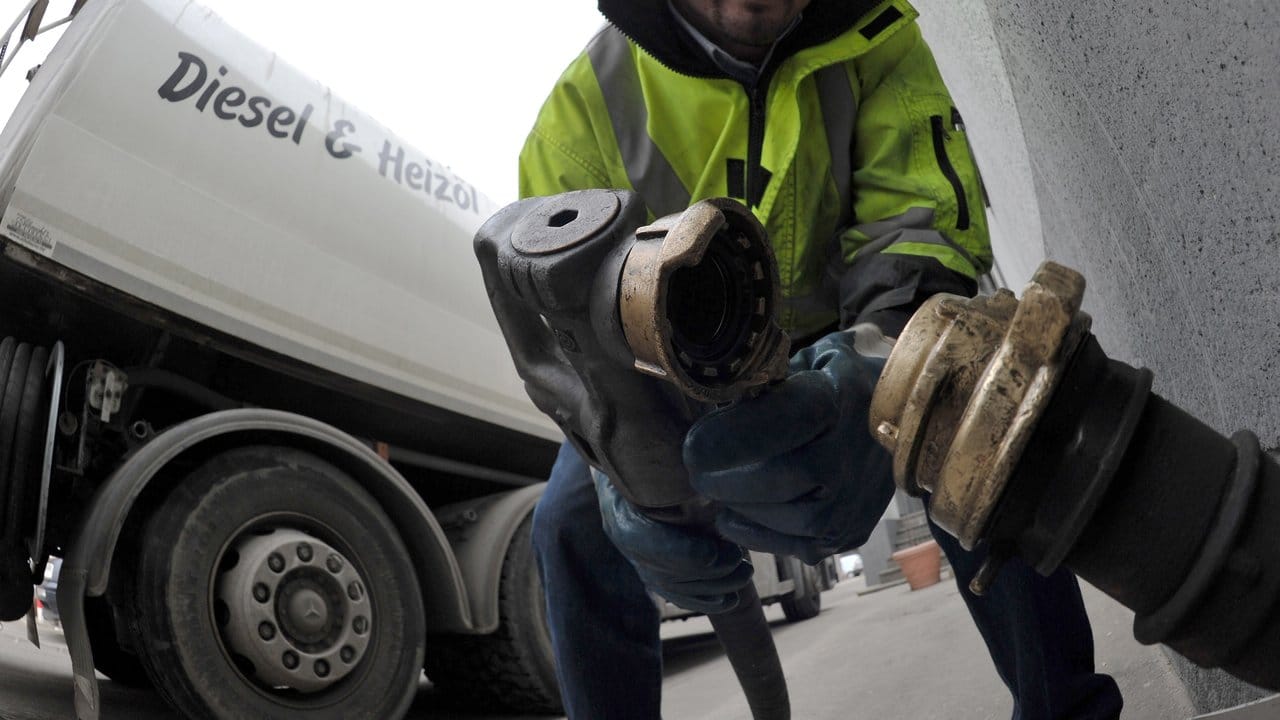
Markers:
<point>462,80</point>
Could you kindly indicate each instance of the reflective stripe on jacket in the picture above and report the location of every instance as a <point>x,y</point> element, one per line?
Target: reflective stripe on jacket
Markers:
<point>849,149</point>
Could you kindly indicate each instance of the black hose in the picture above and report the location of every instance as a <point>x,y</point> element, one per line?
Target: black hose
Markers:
<point>743,631</point>
<point>179,385</point>
<point>748,642</point>
<point>1159,511</point>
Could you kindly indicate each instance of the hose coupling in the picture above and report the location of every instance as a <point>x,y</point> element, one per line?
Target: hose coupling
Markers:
<point>964,386</point>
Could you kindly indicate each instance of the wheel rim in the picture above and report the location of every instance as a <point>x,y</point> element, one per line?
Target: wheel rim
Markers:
<point>814,577</point>
<point>293,611</point>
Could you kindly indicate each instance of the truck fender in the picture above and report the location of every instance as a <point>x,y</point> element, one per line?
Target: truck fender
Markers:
<point>87,566</point>
<point>480,531</point>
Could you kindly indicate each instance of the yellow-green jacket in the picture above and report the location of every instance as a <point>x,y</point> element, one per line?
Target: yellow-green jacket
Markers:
<point>848,145</point>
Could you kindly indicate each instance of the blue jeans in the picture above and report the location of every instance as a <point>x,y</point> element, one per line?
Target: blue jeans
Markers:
<point>1038,635</point>
<point>604,626</point>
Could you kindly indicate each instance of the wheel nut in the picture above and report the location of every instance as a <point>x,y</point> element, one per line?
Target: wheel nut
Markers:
<point>275,561</point>
<point>290,660</point>
<point>304,552</point>
<point>347,653</point>
<point>355,590</point>
<point>334,563</point>
<point>266,630</point>
<point>322,668</point>
<point>360,624</point>
<point>261,593</point>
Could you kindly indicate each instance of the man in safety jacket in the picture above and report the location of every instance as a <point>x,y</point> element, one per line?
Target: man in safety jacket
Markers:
<point>829,119</point>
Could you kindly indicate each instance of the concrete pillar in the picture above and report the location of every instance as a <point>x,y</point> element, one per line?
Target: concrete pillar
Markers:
<point>1140,144</point>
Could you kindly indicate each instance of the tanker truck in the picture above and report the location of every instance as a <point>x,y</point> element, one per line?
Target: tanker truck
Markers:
<point>252,392</point>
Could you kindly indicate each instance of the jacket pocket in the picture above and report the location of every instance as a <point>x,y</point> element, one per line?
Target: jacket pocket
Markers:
<point>938,124</point>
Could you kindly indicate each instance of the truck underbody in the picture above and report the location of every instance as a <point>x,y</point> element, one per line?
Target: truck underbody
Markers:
<point>176,371</point>
<point>184,369</point>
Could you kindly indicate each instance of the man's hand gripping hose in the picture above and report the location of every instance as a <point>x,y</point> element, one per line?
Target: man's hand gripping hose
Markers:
<point>794,469</point>
<point>690,566</point>
<point>625,333</point>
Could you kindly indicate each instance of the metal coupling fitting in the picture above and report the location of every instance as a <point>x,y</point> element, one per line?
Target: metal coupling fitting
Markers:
<point>698,298</point>
<point>963,389</point>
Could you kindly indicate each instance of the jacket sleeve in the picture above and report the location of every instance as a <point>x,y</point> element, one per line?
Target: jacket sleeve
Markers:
<point>919,221</point>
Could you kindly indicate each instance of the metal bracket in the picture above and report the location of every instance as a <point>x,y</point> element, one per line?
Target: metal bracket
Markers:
<point>57,358</point>
<point>105,389</point>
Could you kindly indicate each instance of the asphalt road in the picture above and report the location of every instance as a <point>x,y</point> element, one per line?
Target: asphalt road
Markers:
<point>891,654</point>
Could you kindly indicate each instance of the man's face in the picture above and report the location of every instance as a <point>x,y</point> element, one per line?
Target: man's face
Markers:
<point>744,28</point>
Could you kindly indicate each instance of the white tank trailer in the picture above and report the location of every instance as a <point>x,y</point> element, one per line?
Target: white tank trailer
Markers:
<point>252,392</point>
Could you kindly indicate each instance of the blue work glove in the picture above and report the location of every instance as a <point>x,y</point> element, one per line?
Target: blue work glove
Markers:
<point>693,569</point>
<point>796,468</point>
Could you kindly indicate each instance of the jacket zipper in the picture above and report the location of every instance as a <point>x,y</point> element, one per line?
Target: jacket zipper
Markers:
<point>944,164</point>
<point>755,141</point>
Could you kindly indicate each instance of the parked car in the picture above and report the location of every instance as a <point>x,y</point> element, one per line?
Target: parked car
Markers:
<point>851,564</point>
<point>47,593</point>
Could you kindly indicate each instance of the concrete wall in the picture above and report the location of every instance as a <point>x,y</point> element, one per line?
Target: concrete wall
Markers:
<point>1139,143</point>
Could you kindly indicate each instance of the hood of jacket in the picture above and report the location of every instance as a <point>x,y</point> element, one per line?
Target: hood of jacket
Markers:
<point>650,25</point>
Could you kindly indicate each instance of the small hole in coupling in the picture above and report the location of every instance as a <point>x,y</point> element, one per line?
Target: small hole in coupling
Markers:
<point>562,218</point>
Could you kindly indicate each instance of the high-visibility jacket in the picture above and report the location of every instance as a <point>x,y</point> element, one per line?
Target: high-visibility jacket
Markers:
<point>847,147</point>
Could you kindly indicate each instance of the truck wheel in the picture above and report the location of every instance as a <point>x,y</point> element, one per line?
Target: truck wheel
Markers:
<point>805,600</point>
<point>109,658</point>
<point>512,668</point>
<point>271,585</point>
<point>22,411</point>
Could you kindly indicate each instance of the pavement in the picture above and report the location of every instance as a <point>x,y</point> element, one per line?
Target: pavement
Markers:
<point>912,655</point>
<point>886,655</point>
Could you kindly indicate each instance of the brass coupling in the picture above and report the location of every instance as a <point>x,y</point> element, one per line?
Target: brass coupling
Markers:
<point>698,298</point>
<point>964,386</point>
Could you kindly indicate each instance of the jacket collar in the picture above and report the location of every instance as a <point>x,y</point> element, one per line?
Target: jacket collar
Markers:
<point>649,24</point>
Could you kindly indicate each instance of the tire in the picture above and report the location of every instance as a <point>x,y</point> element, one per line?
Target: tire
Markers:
<point>513,668</point>
<point>805,600</point>
<point>22,381</point>
<point>240,524</point>
<point>109,658</point>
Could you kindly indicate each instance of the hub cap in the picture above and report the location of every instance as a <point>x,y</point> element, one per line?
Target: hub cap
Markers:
<point>296,610</point>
